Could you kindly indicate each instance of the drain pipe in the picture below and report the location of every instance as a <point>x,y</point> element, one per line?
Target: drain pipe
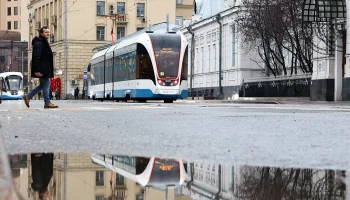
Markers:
<point>190,30</point>
<point>217,196</point>
<point>218,18</point>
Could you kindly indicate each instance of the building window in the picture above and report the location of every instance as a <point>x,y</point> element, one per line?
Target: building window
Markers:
<point>178,1</point>
<point>100,198</point>
<point>100,34</point>
<point>140,10</point>
<point>178,21</point>
<point>233,46</point>
<point>119,179</point>
<point>139,28</point>
<point>121,8</point>
<point>8,25</point>
<point>99,178</point>
<point>100,8</point>
<point>8,11</point>
<point>15,10</point>
<point>120,32</point>
<point>15,25</point>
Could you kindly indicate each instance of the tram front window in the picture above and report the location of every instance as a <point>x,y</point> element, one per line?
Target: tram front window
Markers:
<point>167,51</point>
<point>14,83</point>
<point>165,171</point>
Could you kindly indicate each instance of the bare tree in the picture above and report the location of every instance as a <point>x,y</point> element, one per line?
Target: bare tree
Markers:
<point>276,28</point>
<point>290,184</point>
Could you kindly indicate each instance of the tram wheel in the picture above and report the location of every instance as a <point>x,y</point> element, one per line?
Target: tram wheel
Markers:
<point>142,101</point>
<point>168,101</point>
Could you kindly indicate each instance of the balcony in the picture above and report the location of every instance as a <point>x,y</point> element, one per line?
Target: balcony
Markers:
<point>121,19</point>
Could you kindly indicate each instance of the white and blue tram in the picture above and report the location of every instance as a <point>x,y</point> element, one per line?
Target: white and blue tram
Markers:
<point>12,85</point>
<point>147,66</point>
<point>155,172</point>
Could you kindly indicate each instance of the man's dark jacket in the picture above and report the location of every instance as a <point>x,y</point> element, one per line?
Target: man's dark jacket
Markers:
<point>42,171</point>
<point>42,58</point>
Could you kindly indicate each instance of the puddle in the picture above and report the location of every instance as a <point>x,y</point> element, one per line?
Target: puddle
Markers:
<point>61,176</point>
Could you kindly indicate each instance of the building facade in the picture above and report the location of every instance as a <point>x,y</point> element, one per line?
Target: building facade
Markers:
<point>222,68</point>
<point>219,65</point>
<point>210,181</point>
<point>14,56</point>
<point>184,10</point>
<point>93,24</point>
<point>10,15</point>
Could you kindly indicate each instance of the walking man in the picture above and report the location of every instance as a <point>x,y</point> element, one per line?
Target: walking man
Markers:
<point>42,67</point>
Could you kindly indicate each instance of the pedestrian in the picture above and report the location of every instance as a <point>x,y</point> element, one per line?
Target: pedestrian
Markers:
<point>42,67</point>
<point>76,93</point>
<point>39,94</point>
<point>56,94</point>
<point>42,171</point>
<point>51,96</point>
<point>83,93</point>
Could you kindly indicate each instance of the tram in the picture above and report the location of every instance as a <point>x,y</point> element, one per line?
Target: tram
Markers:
<point>147,66</point>
<point>12,85</point>
<point>154,172</point>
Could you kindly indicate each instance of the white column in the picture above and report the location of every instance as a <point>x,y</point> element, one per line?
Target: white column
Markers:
<point>338,76</point>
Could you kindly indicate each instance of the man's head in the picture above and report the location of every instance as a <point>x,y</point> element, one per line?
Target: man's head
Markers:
<point>45,32</point>
<point>43,195</point>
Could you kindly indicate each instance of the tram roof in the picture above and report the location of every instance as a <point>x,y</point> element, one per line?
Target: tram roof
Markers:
<point>100,53</point>
<point>155,28</point>
<point>10,73</point>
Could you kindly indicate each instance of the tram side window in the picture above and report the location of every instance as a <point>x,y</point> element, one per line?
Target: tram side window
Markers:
<point>115,70</point>
<point>144,66</point>
<point>105,73</point>
<point>99,73</point>
<point>118,68</point>
<point>141,164</point>
<point>184,70</point>
<point>125,67</point>
<point>98,76</point>
<point>108,72</point>
<point>131,65</point>
<point>102,77</point>
<point>93,73</point>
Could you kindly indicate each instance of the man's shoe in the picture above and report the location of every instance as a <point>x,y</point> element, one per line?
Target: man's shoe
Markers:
<point>50,105</point>
<point>26,100</point>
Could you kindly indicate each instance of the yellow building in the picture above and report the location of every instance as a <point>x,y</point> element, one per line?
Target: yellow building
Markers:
<point>10,15</point>
<point>89,25</point>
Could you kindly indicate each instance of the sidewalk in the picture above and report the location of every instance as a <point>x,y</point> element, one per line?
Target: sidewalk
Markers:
<point>269,100</point>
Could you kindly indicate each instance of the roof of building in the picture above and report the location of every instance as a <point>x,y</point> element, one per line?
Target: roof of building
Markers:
<point>10,35</point>
<point>156,28</point>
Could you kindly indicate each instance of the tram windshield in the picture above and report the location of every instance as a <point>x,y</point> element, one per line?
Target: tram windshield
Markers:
<point>165,171</point>
<point>167,51</point>
<point>14,83</point>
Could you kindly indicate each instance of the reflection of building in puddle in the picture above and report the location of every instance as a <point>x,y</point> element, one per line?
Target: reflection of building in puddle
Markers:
<point>209,181</point>
<point>153,178</point>
<point>85,179</point>
<point>80,178</point>
<point>290,183</point>
<point>20,174</point>
<point>246,183</point>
